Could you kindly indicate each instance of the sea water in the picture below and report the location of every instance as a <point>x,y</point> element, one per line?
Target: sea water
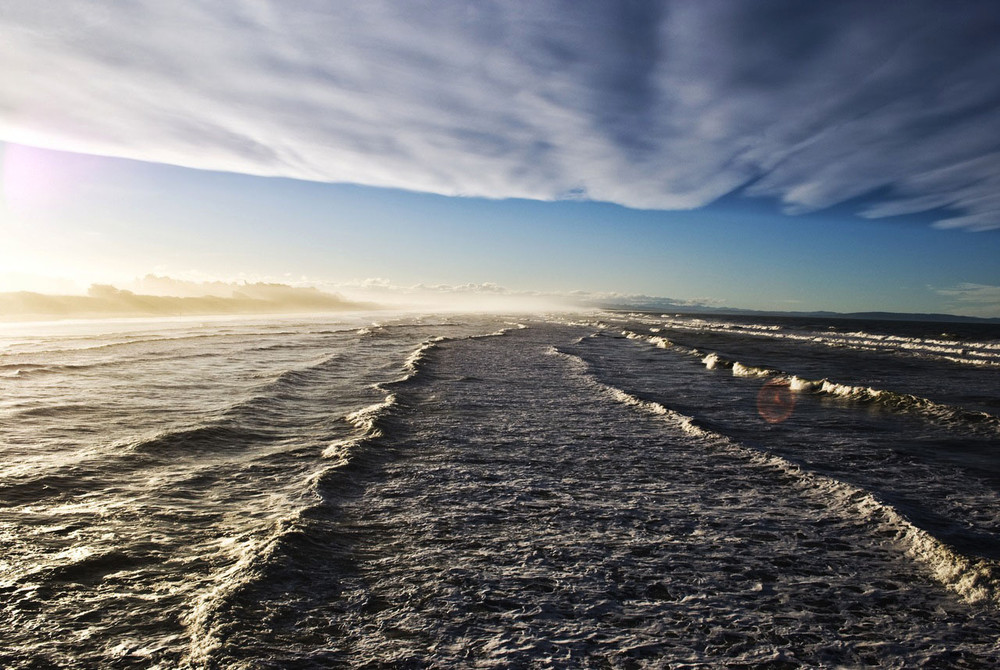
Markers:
<point>609,490</point>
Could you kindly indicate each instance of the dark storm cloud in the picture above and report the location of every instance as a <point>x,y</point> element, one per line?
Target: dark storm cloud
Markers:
<point>653,105</point>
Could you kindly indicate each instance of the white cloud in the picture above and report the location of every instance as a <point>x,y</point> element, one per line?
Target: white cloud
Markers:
<point>649,105</point>
<point>974,299</point>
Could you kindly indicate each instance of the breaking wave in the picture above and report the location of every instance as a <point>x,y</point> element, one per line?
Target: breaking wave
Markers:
<point>944,347</point>
<point>975,580</point>
<point>862,395</point>
<point>208,619</point>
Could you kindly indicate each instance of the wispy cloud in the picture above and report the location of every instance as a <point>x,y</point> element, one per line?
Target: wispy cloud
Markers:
<point>974,299</point>
<point>651,105</point>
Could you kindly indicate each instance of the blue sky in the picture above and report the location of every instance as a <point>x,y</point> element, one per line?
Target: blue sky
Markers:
<point>767,155</point>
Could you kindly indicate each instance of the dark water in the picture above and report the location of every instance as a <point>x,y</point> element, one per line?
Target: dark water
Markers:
<point>613,491</point>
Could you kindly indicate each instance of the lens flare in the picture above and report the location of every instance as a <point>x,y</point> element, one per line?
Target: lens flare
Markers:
<point>33,179</point>
<point>775,402</point>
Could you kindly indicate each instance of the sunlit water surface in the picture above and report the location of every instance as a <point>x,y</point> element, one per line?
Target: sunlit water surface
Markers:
<point>610,491</point>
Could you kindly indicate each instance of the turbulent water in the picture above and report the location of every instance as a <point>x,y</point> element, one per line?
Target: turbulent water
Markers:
<point>611,491</point>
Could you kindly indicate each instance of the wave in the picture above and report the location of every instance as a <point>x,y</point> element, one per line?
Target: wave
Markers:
<point>713,361</point>
<point>368,421</point>
<point>205,621</point>
<point>898,401</point>
<point>289,539</point>
<point>77,564</point>
<point>26,370</point>
<point>863,395</point>
<point>22,370</point>
<point>200,439</point>
<point>975,580</point>
<point>29,369</point>
<point>125,343</point>
<point>238,338</point>
<point>261,418</point>
<point>981,353</point>
<point>242,423</point>
<point>51,410</point>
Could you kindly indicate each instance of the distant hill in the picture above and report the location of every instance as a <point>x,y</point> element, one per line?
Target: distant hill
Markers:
<point>869,316</point>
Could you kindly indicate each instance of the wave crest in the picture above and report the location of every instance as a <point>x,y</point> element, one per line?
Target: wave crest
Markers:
<point>975,580</point>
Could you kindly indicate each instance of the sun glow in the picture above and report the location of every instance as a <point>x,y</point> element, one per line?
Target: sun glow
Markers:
<point>40,190</point>
<point>35,181</point>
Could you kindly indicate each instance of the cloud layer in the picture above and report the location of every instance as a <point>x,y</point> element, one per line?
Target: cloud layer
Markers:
<point>651,105</point>
<point>977,299</point>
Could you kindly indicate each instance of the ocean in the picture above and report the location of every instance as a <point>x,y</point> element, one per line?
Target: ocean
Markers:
<point>603,490</point>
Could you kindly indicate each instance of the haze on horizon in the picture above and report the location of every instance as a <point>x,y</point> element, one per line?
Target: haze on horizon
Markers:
<point>156,297</point>
<point>765,155</point>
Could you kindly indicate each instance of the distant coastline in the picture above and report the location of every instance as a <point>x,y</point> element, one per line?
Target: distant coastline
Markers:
<point>104,301</point>
<point>688,310</point>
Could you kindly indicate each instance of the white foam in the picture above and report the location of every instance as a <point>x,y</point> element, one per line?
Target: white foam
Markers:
<point>970,353</point>
<point>741,370</point>
<point>201,620</point>
<point>861,394</point>
<point>804,385</point>
<point>975,580</point>
<point>711,361</point>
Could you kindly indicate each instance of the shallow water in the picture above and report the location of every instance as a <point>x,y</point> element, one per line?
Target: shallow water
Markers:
<point>468,491</point>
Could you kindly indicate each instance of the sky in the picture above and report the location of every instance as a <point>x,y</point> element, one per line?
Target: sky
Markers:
<point>764,155</point>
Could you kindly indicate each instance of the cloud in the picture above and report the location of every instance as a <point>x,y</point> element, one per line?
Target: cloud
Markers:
<point>974,299</point>
<point>651,105</point>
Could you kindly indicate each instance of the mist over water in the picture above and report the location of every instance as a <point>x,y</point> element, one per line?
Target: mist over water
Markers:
<point>176,299</point>
<point>495,491</point>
